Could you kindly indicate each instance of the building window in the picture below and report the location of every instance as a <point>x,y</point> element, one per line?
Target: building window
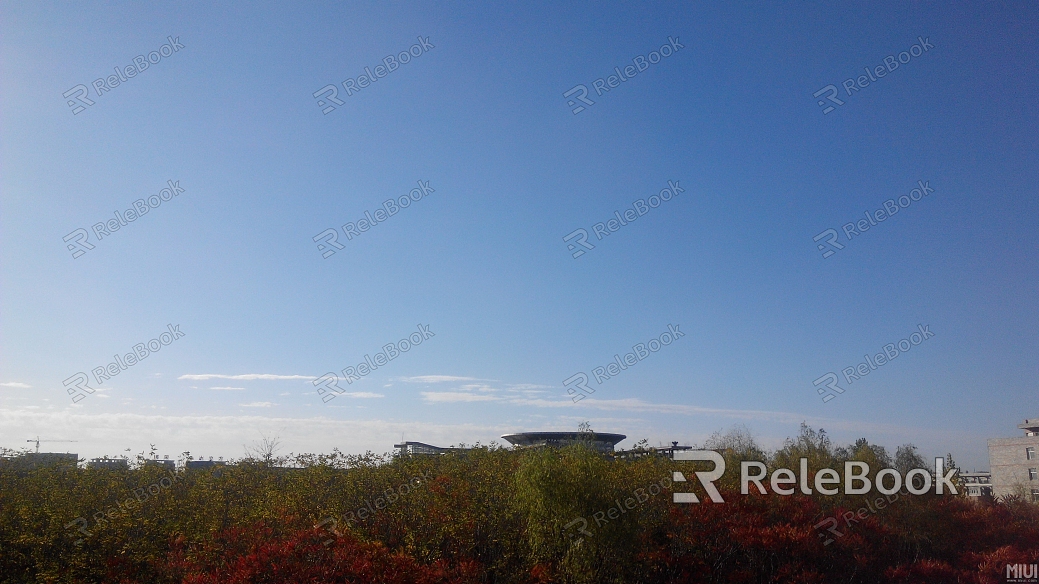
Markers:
<point>1035,495</point>
<point>1032,474</point>
<point>1030,453</point>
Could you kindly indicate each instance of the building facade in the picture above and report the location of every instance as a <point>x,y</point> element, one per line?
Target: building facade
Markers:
<point>1014,463</point>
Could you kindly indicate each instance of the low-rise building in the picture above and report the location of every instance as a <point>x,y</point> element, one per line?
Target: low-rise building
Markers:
<point>422,449</point>
<point>664,451</point>
<point>203,464</point>
<point>164,462</point>
<point>31,460</point>
<point>109,463</point>
<point>977,483</point>
<point>1014,463</point>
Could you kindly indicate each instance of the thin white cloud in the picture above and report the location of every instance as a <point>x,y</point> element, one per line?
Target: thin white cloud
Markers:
<point>438,379</point>
<point>362,394</point>
<point>15,384</point>
<point>638,405</point>
<point>257,405</point>
<point>228,388</point>
<point>224,435</point>
<point>455,396</point>
<point>478,387</point>
<point>244,377</point>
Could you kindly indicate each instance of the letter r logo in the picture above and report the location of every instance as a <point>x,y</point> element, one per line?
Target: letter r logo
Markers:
<point>77,381</point>
<point>830,379</point>
<point>832,97</point>
<point>706,478</point>
<point>581,529</point>
<point>832,522</point>
<point>80,93</point>
<point>582,239</point>
<point>77,242</point>
<point>580,381</point>
<point>334,98</point>
<point>328,381</point>
<point>328,242</point>
<point>831,239</point>
<point>582,97</point>
<point>333,529</point>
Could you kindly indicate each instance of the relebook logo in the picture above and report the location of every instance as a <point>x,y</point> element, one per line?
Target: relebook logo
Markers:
<point>856,478</point>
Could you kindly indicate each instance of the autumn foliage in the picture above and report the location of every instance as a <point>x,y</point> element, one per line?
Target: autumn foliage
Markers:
<point>261,554</point>
<point>494,515</point>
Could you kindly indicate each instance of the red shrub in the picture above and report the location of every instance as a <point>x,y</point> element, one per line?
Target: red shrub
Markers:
<point>259,554</point>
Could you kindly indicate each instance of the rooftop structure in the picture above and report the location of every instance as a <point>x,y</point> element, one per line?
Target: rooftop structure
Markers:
<point>599,441</point>
<point>1031,427</point>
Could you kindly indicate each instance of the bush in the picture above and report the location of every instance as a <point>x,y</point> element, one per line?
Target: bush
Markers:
<point>491,515</point>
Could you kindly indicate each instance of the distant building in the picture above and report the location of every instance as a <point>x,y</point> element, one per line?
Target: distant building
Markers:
<point>165,463</point>
<point>978,484</point>
<point>665,451</point>
<point>599,441</point>
<point>1015,463</point>
<point>38,459</point>
<point>109,463</point>
<point>203,464</point>
<point>423,449</point>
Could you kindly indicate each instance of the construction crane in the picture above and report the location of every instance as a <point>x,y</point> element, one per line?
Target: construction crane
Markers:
<point>37,441</point>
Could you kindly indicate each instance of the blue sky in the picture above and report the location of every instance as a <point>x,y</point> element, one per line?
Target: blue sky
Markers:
<point>481,261</point>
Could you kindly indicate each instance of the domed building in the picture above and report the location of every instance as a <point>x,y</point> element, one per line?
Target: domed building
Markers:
<point>600,441</point>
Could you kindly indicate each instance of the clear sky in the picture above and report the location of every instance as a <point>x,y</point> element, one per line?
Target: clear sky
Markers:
<point>480,114</point>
